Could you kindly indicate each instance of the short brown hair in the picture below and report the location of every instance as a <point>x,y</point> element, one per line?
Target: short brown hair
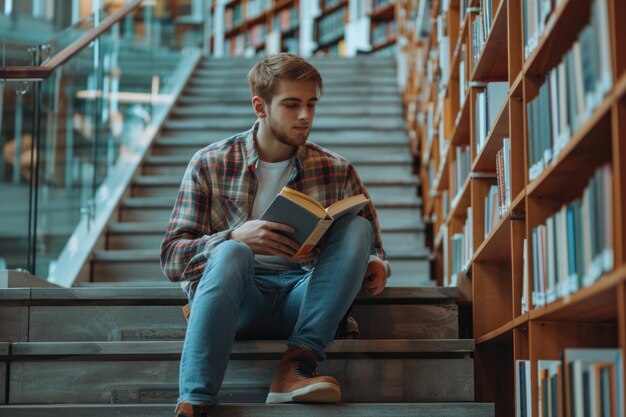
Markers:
<point>265,75</point>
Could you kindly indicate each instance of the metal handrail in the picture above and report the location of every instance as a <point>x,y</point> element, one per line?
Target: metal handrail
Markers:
<point>42,72</point>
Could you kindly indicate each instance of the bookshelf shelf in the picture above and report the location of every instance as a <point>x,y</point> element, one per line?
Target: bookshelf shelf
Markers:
<point>461,202</point>
<point>596,303</point>
<point>281,4</point>
<point>461,130</point>
<point>560,34</point>
<point>496,247</point>
<point>334,7</point>
<point>390,41</point>
<point>566,175</point>
<point>259,18</point>
<point>385,12</point>
<point>485,160</point>
<point>493,64</point>
<point>524,258</point>
<point>494,335</point>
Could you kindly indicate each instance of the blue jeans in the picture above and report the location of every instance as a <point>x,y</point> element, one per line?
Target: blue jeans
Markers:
<point>304,307</point>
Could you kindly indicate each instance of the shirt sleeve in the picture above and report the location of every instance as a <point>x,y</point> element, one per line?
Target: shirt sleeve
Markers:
<point>188,241</point>
<point>354,186</point>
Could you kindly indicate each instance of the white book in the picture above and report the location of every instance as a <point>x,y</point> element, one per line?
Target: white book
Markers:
<point>525,283</point>
<point>601,23</point>
<point>506,146</point>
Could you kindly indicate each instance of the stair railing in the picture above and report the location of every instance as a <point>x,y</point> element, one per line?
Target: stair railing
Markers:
<point>74,127</point>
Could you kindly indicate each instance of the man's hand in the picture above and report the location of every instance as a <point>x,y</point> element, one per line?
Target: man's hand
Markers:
<point>263,238</point>
<point>375,277</point>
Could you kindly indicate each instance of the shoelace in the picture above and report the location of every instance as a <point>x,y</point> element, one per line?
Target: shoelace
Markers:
<point>306,366</point>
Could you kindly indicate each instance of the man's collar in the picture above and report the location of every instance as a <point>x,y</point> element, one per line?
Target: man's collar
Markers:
<point>252,156</point>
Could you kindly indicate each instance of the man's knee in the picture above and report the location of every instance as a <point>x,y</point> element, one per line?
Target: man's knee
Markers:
<point>230,261</point>
<point>355,228</point>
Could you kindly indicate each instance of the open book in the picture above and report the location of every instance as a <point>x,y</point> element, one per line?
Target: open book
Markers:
<point>308,216</point>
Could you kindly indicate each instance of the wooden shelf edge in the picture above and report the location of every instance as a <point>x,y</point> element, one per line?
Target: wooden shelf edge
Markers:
<point>516,203</point>
<point>620,88</point>
<point>281,4</point>
<point>494,334</point>
<point>458,122</point>
<point>380,13</point>
<point>462,202</point>
<point>498,230</point>
<point>332,9</point>
<point>572,144</point>
<point>608,282</point>
<point>378,46</point>
<point>517,83</point>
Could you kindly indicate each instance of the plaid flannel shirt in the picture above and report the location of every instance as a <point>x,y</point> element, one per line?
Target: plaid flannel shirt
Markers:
<point>217,193</point>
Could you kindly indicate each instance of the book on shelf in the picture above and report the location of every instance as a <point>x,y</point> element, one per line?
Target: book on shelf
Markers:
<point>462,168</point>
<point>575,245</point>
<point>489,102</point>
<point>549,388</point>
<point>330,27</point>
<point>594,382</point>
<point>492,209</point>
<point>523,397</point>
<point>525,278</point>
<point>503,176</point>
<point>461,249</point>
<point>571,92</point>
<point>310,219</point>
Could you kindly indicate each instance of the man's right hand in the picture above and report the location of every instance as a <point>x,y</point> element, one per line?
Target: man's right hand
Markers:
<point>263,239</point>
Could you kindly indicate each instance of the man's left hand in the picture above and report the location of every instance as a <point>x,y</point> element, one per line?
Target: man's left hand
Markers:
<point>375,277</point>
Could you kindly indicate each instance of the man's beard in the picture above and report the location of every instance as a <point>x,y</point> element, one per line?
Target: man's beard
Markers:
<point>283,136</point>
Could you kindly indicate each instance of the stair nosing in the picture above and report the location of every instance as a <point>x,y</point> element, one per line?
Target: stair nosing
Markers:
<point>240,348</point>
<point>113,295</point>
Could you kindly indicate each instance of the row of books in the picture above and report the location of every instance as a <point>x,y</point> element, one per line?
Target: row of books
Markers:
<point>443,50</point>
<point>489,102</point>
<point>257,34</point>
<point>478,38</point>
<point>256,7</point>
<point>327,4</point>
<point>235,45</point>
<point>537,15</point>
<point>461,170</point>
<point>463,78</point>
<point>233,16</point>
<point>584,382</point>
<point>384,31</point>
<point>286,19</point>
<point>291,45</point>
<point>574,247</point>
<point>461,248</point>
<point>571,92</point>
<point>331,27</point>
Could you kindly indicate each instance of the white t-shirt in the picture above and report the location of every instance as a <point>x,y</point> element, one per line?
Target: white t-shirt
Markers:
<point>271,177</point>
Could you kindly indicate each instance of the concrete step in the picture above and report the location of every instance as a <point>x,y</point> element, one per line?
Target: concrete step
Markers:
<point>325,138</point>
<point>128,372</point>
<point>393,123</point>
<point>262,410</point>
<point>154,314</point>
<point>175,165</point>
<point>347,100</point>
<point>396,148</point>
<point>240,80</point>
<point>392,215</point>
<point>232,111</point>
<point>149,235</point>
<point>411,267</point>
<point>238,88</point>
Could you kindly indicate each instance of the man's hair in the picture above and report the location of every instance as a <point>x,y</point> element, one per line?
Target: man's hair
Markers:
<point>265,75</point>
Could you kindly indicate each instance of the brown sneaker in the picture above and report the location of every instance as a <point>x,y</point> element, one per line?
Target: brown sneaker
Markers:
<point>297,380</point>
<point>190,410</point>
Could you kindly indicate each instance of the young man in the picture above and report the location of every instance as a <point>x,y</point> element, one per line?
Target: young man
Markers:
<point>238,271</point>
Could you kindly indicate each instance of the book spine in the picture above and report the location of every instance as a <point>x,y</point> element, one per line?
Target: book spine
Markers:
<point>307,246</point>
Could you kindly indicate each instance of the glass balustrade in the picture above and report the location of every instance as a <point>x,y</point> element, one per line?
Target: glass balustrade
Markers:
<point>62,137</point>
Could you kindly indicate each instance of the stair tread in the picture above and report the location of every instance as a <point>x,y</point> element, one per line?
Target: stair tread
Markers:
<point>399,294</point>
<point>366,159</point>
<point>245,347</point>
<point>404,409</point>
<point>157,228</point>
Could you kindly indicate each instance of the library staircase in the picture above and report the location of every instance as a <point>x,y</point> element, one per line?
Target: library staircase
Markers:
<point>111,345</point>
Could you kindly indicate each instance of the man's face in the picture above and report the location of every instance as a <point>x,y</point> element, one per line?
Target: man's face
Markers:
<point>290,115</point>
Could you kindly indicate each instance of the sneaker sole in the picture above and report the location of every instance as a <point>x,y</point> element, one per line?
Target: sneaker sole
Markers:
<point>323,392</point>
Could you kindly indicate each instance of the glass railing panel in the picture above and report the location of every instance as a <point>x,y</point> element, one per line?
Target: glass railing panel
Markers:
<point>16,146</point>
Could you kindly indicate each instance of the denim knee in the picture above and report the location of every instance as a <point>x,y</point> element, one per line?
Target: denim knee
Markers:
<point>357,229</point>
<point>232,261</point>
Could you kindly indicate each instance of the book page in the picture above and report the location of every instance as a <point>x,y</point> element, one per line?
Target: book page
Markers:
<point>350,205</point>
<point>305,201</point>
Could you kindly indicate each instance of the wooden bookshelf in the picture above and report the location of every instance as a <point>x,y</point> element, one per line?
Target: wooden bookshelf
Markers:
<point>594,315</point>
